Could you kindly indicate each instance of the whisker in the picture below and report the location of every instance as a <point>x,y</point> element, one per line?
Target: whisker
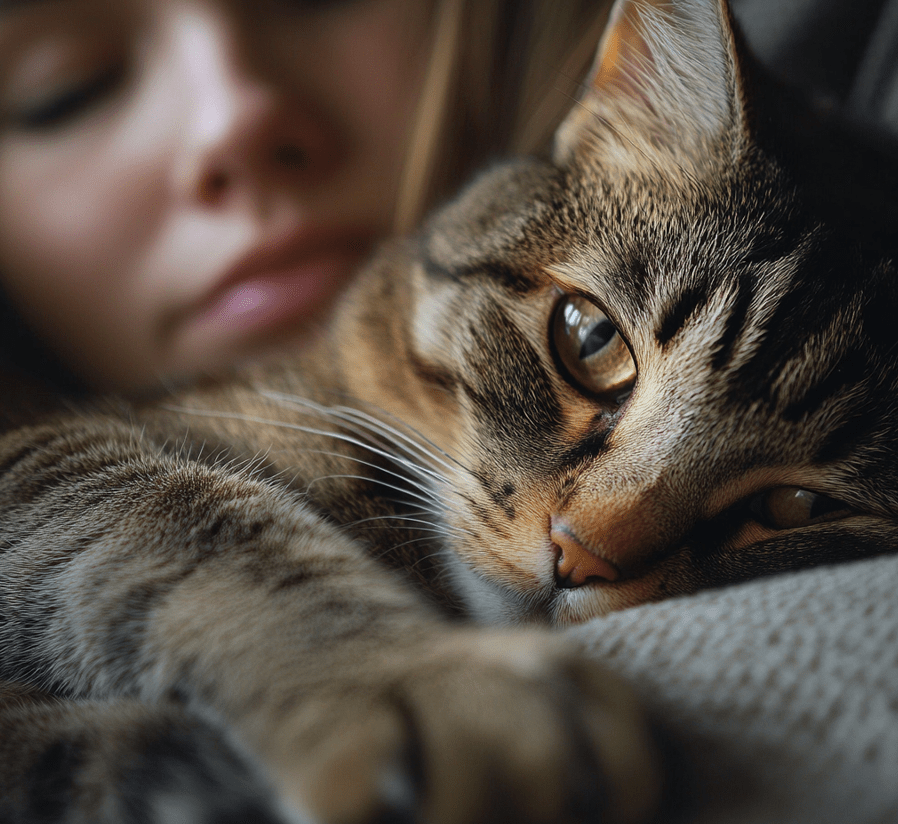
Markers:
<point>425,446</point>
<point>421,499</point>
<point>436,494</point>
<point>417,530</point>
<point>401,453</point>
<point>420,560</point>
<point>444,530</point>
<point>392,457</point>
<point>432,451</point>
<point>421,493</point>
<point>420,485</point>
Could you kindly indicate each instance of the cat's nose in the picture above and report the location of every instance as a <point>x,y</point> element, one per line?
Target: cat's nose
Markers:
<point>575,564</point>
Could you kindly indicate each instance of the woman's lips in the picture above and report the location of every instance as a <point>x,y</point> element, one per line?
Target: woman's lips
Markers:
<point>291,281</point>
<point>271,297</point>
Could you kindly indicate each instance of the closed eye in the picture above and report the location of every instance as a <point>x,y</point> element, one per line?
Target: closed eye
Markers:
<point>70,102</point>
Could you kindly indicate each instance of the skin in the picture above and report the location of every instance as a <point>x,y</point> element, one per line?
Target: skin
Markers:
<point>186,183</point>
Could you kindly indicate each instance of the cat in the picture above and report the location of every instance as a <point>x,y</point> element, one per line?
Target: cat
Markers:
<point>658,360</point>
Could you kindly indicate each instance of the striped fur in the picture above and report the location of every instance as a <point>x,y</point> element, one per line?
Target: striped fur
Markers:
<point>240,601</point>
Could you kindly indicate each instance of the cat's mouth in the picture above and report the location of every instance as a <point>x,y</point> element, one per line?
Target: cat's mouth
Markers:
<point>587,585</point>
<point>595,597</point>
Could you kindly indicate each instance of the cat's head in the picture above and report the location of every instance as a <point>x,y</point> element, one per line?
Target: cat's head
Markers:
<point>657,363</point>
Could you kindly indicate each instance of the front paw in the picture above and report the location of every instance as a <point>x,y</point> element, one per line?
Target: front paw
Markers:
<point>481,727</point>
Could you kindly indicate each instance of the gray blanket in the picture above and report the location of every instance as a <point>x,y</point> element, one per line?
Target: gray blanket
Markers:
<point>782,693</point>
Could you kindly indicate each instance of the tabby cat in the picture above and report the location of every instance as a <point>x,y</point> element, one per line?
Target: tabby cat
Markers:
<point>662,359</point>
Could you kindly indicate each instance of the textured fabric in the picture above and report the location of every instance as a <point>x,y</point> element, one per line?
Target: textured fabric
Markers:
<point>783,692</point>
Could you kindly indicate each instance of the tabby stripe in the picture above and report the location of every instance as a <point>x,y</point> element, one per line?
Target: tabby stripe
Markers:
<point>124,643</point>
<point>514,280</point>
<point>39,448</point>
<point>587,449</point>
<point>486,517</point>
<point>20,637</point>
<point>735,322</point>
<point>634,281</point>
<point>847,373</point>
<point>58,458</point>
<point>778,345</point>
<point>294,580</point>
<point>811,303</point>
<point>50,781</point>
<point>681,311</point>
<point>499,495</point>
<point>514,391</point>
<point>22,453</point>
<point>774,244</point>
<point>432,374</point>
<point>842,441</point>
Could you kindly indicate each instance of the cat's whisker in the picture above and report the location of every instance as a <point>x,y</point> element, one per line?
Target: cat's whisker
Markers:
<point>419,560</point>
<point>421,499</point>
<point>424,531</point>
<point>433,493</point>
<point>398,459</point>
<point>439,526</point>
<point>370,423</point>
<point>402,454</point>
<point>423,445</point>
<point>421,483</point>
<point>407,450</point>
<point>390,517</point>
<point>408,461</point>
<point>415,453</point>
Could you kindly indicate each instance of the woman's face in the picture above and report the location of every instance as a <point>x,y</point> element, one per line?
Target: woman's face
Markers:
<point>184,183</point>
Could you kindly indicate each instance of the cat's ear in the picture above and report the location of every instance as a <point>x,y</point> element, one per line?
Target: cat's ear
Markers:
<point>666,80</point>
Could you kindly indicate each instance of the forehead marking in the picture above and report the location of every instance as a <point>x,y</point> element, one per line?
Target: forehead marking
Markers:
<point>680,311</point>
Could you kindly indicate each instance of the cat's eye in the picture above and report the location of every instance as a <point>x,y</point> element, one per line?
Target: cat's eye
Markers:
<point>790,507</point>
<point>590,349</point>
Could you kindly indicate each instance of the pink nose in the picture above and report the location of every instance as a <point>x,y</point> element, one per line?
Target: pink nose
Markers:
<point>576,564</point>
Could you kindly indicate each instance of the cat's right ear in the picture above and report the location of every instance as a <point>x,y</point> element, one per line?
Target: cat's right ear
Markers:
<point>666,85</point>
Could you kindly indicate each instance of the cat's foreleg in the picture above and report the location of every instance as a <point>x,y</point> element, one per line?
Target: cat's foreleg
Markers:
<point>129,572</point>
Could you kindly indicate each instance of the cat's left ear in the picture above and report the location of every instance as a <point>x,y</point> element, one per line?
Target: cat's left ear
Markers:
<point>667,78</point>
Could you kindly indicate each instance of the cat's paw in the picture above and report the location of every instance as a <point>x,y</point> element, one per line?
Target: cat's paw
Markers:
<point>485,728</point>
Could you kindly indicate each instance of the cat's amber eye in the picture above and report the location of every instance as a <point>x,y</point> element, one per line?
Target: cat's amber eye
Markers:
<point>591,349</point>
<point>790,507</point>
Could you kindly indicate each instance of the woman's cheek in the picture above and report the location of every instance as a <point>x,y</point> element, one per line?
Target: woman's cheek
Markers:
<point>70,244</point>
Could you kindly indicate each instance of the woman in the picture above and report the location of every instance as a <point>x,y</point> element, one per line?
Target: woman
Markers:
<point>187,183</point>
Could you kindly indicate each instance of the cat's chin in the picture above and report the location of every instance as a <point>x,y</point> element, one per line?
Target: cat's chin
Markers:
<point>595,599</point>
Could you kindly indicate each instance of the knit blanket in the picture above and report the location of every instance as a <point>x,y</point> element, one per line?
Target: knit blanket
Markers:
<point>781,693</point>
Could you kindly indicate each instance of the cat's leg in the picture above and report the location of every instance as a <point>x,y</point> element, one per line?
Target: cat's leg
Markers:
<point>121,762</point>
<point>131,572</point>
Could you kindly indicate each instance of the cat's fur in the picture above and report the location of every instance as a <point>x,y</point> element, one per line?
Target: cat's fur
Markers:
<point>247,591</point>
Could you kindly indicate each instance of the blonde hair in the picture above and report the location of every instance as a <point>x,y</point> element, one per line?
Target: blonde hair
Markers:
<point>501,76</point>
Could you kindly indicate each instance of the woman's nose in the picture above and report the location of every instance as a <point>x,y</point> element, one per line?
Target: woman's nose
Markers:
<point>244,133</point>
